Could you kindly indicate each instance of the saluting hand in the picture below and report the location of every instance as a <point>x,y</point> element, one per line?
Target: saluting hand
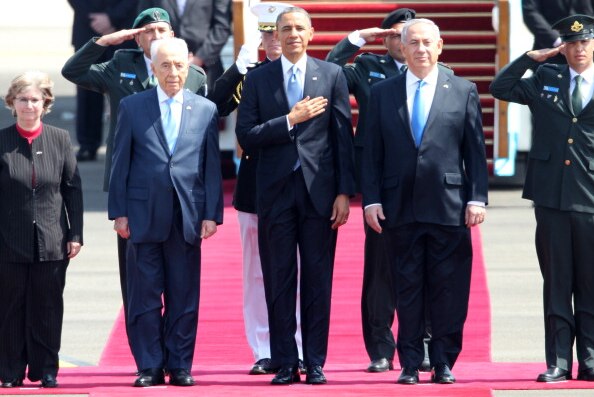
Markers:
<point>370,35</point>
<point>545,53</point>
<point>118,37</point>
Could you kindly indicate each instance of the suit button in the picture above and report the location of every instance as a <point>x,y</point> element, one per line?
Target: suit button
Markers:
<point>574,119</point>
<point>247,157</point>
<point>570,141</point>
<point>567,162</point>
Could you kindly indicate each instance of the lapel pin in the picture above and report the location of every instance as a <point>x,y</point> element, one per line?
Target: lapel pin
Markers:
<point>555,99</point>
<point>560,75</point>
<point>314,78</point>
<point>188,107</point>
<point>446,86</point>
<point>39,152</point>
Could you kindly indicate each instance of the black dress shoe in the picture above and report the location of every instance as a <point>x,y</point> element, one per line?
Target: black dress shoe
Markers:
<point>49,381</point>
<point>554,374</point>
<point>408,376</point>
<point>380,365</point>
<point>86,155</point>
<point>286,375</point>
<point>315,376</point>
<point>302,367</point>
<point>442,374</point>
<point>180,377</point>
<point>262,367</point>
<point>150,377</point>
<point>15,382</point>
<point>586,374</point>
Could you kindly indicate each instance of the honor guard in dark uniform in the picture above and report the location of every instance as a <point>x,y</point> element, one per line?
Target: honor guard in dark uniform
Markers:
<point>377,300</point>
<point>227,95</point>
<point>127,73</point>
<point>560,182</point>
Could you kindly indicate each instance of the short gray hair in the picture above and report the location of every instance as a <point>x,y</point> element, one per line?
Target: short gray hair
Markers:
<point>179,44</point>
<point>415,21</point>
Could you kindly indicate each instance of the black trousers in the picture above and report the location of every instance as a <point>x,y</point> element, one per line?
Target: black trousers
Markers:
<point>431,268</point>
<point>89,119</point>
<point>565,249</point>
<point>31,318</point>
<point>295,224</point>
<point>377,299</point>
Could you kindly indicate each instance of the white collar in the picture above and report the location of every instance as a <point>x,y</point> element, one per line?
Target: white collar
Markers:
<point>430,79</point>
<point>300,64</point>
<point>587,74</point>
<point>162,96</point>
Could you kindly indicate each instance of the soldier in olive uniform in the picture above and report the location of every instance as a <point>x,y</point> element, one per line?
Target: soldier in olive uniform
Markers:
<point>560,182</point>
<point>127,73</point>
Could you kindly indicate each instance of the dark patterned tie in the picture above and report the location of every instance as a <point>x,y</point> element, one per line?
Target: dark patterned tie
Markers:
<point>576,96</point>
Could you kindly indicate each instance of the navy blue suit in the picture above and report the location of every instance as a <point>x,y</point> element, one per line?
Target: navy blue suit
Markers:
<point>165,197</point>
<point>424,193</point>
<point>294,206</point>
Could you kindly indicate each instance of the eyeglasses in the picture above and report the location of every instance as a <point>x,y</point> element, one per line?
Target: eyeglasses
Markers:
<point>25,101</point>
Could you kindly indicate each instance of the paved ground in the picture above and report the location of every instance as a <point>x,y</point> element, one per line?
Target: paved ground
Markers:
<point>92,292</point>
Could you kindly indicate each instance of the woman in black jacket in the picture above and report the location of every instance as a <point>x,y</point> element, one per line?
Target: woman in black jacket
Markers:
<point>41,217</point>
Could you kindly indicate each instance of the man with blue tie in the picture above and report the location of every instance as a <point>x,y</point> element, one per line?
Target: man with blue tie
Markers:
<point>424,186</point>
<point>165,194</point>
<point>295,112</point>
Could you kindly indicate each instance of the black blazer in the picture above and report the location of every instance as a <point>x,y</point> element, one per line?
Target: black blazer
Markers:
<point>205,25</point>
<point>121,15</point>
<point>431,184</point>
<point>55,206</point>
<point>539,15</point>
<point>323,145</point>
<point>560,172</point>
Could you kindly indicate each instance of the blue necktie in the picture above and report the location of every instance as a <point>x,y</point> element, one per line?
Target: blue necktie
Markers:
<point>170,126</point>
<point>294,94</point>
<point>418,115</point>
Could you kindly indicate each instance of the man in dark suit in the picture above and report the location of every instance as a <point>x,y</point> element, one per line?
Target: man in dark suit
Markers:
<point>539,16</point>
<point>165,196</point>
<point>227,95</point>
<point>560,182</point>
<point>295,112</point>
<point>204,24</point>
<point>127,73</point>
<point>425,184</point>
<point>377,297</point>
<point>92,17</point>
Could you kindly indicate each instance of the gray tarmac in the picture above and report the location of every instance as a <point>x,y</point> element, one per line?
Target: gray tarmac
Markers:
<point>92,294</point>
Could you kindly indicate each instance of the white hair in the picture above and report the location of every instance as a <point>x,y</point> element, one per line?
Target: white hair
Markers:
<point>415,21</point>
<point>174,42</point>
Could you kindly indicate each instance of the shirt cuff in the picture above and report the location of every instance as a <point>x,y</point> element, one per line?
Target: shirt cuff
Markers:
<point>355,39</point>
<point>372,205</point>
<point>477,203</point>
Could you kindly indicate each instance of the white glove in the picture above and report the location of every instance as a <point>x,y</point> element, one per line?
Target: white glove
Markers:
<point>248,53</point>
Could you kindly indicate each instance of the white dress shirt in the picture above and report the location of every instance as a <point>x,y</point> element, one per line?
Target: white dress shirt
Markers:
<point>586,86</point>
<point>176,106</point>
<point>427,91</point>
<point>300,72</point>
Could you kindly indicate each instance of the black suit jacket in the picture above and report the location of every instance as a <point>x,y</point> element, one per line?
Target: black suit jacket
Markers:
<point>539,15</point>
<point>431,184</point>
<point>124,74</point>
<point>121,15</point>
<point>205,25</point>
<point>55,206</point>
<point>560,172</point>
<point>323,144</point>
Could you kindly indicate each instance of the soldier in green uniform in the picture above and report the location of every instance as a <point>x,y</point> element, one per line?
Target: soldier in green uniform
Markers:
<point>560,182</point>
<point>127,73</point>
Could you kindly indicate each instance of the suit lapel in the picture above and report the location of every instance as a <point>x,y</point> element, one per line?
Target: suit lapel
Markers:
<point>186,119</point>
<point>564,83</point>
<point>277,84</point>
<point>312,79</point>
<point>441,94</point>
<point>152,106</point>
<point>399,103</point>
<point>389,66</point>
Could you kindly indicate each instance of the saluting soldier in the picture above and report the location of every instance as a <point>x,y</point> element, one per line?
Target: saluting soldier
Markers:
<point>560,182</point>
<point>227,95</point>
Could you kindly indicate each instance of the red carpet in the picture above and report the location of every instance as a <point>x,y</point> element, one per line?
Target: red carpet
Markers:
<point>223,358</point>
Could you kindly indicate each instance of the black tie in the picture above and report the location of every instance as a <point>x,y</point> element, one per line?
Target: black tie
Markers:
<point>576,96</point>
<point>403,69</point>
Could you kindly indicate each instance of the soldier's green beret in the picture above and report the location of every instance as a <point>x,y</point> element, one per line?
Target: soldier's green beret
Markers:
<point>151,15</point>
